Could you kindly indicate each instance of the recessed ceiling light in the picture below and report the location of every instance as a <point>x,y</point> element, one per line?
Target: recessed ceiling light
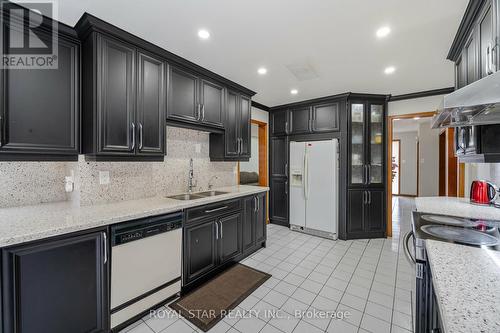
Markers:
<point>203,34</point>
<point>262,71</point>
<point>294,91</point>
<point>390,70</point>
<point>383,32</point>
<point>416,118</point>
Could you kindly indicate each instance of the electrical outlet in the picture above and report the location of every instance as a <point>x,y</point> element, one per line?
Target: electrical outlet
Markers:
<point>104,178</point>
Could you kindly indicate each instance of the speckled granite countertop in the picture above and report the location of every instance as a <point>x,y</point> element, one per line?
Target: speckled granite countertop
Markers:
<point>23,224</point>
<point>467,285</point>
<point>456,207</point>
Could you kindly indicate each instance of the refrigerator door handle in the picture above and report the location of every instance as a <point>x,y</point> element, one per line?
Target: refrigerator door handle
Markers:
<point>306,174</point>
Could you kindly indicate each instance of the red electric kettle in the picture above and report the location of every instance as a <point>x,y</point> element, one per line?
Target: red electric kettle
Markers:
<point>483,192</point>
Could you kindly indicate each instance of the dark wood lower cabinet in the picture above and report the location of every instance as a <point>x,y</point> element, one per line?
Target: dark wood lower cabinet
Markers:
<point>56,286</point>
<point>279,201</point>
<point>229,237</point>
<point>212,244</point>
<point>366,213</point>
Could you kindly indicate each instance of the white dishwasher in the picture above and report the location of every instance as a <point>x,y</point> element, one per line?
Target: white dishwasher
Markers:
<point>145,265</point>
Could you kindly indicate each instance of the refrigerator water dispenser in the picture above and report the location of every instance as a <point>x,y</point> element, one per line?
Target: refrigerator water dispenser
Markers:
<point>296,178</point>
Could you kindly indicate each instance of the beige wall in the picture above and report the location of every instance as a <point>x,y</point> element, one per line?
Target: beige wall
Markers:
<point>408,157</point>
<point>416,105</point>
<point>428,160</point>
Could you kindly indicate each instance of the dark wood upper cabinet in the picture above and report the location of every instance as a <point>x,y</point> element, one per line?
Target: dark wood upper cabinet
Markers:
<point>475,49</point>
<point>300,120</point>
<point>124,101</point>
<point>40,108</point>
<point>45,291</point>
<point>244,126</point>
<point>195,101</point>
<point>183,96</point>
<point>234,144</point>
<point>151,104</point>
<point>325,117</point>
<point>212,103</point>
<point>116,121</point>
<point>279,122</point>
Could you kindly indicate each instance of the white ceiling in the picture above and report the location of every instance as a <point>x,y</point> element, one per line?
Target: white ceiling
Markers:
<point>335,37</point>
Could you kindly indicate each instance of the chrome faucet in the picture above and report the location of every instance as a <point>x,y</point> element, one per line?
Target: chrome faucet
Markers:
<point>210,185</point>
<point>191,182</point>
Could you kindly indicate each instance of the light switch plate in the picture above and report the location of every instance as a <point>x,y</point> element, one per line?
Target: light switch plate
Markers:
<point>104,178</point>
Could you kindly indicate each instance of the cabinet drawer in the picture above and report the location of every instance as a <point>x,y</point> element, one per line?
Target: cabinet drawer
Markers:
<point>215,209</point>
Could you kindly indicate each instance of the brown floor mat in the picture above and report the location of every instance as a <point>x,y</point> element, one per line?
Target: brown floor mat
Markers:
<point>208,304</point>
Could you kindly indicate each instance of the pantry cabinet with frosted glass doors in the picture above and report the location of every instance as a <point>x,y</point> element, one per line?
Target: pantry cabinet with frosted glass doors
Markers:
<point>366,168</point>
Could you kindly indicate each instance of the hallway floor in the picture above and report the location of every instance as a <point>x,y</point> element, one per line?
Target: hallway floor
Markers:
<point>370,280</point>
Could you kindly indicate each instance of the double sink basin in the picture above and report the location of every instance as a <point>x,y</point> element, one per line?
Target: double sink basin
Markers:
<point>194,196</point>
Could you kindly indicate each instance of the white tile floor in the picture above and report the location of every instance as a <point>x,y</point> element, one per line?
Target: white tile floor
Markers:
<point>370,279</point>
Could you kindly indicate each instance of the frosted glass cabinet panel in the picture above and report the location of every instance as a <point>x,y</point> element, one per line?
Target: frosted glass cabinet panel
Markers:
<point>376,129</point>
<point>357,143</point>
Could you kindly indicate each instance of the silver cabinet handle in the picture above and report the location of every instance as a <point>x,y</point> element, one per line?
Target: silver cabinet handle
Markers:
<point>133,136</point>
<point>286,187</point>
<point>364,197</point>
<point>369,197</point>
<point>489,59</point>
<point>198,112</point>
<point>215,209</point>
<point>238,146</point>
<point>368,179</point>
<point>221,234</point>
<point>406,239</point>
<point>216,230</point>
<point>286,169</point>
<point>105,247</point>
<point>140,136</point>
<point>366,175</point>
<point>203,112</point>
<point>255,204</point>
<point>286,127</point>
<point>258,204</point>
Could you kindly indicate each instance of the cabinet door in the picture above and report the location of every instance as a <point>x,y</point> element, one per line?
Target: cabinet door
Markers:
<point>56,286</point>
<point>300,120</point>
<point>279,200</point>
<point>374,218</point>
<point>357,172</point>
<point>376,124</point>
<point>244,126</point>
<point>279,122</point>
<point>279,157</point>
<point>460,73</point>
<point>471,54</point>
<point>182,96</point>
<point>116,98</point>
<point>356,210</point>
<point>151,105</point>
<point>230,237</point>
<point>212,103</point>
<point>39,108</point>
<point>232,123</point>
<point>200,251</point>
<point>248,223</point>
<point>260,219</point>
<point>486,42</point>
<point>325,117</point>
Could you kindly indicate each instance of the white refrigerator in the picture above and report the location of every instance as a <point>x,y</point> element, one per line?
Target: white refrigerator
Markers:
<point>314,187</point>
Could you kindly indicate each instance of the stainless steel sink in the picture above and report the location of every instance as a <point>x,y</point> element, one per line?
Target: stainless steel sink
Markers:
<point>186,196</point>
<point>211,193</point>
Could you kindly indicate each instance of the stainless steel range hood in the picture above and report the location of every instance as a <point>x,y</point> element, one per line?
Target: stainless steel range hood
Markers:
<point>475,104</point>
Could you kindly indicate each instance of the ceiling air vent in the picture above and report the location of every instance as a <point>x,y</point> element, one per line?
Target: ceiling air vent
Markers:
<point>303,71</point>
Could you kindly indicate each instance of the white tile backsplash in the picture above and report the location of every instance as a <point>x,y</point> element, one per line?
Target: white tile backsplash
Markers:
<point>28,183</point>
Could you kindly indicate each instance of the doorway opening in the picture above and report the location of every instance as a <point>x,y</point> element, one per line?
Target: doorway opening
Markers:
<point>412,153</point>
<point>255,171</point>
<point>396,167</point>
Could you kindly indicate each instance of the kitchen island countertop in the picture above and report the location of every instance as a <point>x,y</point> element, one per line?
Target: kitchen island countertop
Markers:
<point>456,207</point>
